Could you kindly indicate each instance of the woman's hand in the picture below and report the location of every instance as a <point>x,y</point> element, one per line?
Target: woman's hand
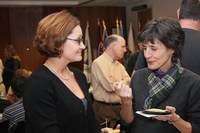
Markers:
<point>173,117</point>
<point>123,91</point>
<point>182,125</point>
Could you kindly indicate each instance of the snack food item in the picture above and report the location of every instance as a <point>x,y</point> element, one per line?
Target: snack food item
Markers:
<point>116,131</point>
<point>156,111</point>
<point>110,130</point>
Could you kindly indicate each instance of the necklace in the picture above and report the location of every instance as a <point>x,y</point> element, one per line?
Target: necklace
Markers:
<point>66,79</point>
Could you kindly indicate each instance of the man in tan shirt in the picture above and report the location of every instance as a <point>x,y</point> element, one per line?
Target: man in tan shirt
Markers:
<point>106,70</point>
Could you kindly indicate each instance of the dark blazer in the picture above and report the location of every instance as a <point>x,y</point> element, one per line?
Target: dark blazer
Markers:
<point>52,108</point>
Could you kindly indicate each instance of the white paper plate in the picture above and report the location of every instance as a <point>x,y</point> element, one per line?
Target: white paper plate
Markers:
<point>148,115</point>
<point>1,115</point>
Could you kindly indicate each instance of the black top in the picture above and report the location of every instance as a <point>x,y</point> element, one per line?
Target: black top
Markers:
<point>184,97</point>
<point>191,51</point>
<point>50,107</point>
<point>131,62</point>
<point>10,66</point>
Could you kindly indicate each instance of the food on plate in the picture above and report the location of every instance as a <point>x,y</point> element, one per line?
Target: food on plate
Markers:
<point>156,111</point>
<point>110,130</point>
<point>116,131</point>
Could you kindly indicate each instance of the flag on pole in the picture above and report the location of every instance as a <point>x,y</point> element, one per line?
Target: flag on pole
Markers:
<point>87,55</point>
<point>105,33</point>
<point>117,27</point>
<point>101,46</point>
<point>139,30</point>
<point>139,25</point>
<point>131,44</point>
<point>99,39</point>
<point>121,29</point>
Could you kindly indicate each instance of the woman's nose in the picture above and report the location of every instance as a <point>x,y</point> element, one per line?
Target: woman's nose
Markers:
<point>147,53</point>
<point>82,45</point>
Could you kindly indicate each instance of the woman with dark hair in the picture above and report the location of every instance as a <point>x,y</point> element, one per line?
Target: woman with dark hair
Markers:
<point>56,98</point>
<point>164,84</point>
<point>189,19</point>
<point>11,64</point>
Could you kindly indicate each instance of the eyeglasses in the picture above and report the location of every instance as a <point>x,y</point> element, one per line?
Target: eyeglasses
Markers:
<point>80,40</point>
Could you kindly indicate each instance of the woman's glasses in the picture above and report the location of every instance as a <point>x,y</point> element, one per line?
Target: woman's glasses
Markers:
<point>79,41</point>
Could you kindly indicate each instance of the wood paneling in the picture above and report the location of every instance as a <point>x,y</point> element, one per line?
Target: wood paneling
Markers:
<point>23,23</point>
<point>18,26</point>
<point>4,30</point>
<point>144,16</point>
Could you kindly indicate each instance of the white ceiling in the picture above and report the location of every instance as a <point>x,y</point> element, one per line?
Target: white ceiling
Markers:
<point>69,2</point>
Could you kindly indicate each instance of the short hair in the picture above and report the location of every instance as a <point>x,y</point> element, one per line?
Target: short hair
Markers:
<point>52,32</point>
<point>166,30</point>
<point>18,85</point>
<point>20,76</point>
<point>190,9</point>
<point>22,72</point>
<point>110,39</point>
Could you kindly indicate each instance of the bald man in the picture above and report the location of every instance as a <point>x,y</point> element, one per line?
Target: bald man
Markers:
<point>106,70</point>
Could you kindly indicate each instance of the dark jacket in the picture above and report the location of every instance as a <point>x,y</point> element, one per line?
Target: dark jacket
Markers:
<point>52,108</point>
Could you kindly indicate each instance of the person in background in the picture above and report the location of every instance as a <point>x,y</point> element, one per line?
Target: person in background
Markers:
<point>106,70</point>
<point>131,62</point>
<point>15,112</point>
<point>3,102</point>
<point>1,70</point>
<point>11,64</point>
<point>164,84</point>
<point>10,97</point>
<point>2,86</point>
<point>127,55</point>
<point>189,18</point>
<point>56,98</point>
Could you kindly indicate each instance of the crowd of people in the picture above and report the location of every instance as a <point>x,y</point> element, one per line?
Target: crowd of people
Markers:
<point>163,76</point>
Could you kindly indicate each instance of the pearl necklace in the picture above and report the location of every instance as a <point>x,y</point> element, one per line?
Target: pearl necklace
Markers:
<point>66,79</point>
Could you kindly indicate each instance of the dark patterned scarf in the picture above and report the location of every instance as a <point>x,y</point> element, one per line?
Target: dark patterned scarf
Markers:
<point>160,88</point>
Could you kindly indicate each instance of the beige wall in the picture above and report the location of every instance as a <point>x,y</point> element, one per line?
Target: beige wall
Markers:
<point>165,8</point>
<point>159,8</point>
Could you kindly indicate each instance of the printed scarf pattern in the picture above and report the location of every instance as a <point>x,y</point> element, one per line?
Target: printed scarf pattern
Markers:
<point>160,88</point>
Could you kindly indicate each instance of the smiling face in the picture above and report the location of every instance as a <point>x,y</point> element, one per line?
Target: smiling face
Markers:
<point>158,56</point>
<point>73,46</point>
